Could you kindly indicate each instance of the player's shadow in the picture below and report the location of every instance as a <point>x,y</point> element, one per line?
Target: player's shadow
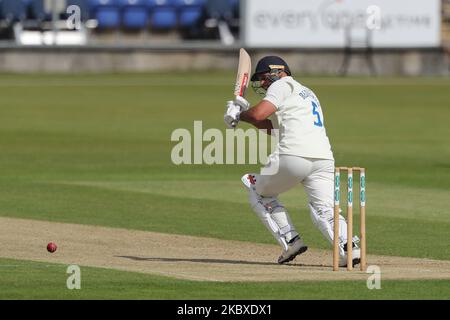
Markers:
<point>214,261</point>
<point>198,260</point>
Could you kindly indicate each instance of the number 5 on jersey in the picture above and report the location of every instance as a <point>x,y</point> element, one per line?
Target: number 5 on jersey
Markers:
<point>318,121</point>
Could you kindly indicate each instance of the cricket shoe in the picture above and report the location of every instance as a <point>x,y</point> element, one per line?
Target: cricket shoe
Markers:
<point>356,255</point>
<point>295,247</point>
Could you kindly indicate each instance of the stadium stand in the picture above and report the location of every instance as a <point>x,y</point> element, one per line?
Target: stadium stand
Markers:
<point>191,19</point>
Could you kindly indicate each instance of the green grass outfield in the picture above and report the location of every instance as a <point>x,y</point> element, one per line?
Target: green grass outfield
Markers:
<point>95,149</point>
<point>35,280</point>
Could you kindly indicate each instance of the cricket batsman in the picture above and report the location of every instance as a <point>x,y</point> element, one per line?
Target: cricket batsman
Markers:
<point>303,155</point>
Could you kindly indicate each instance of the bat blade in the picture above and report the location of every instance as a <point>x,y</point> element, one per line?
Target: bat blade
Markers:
<point>243,73</point>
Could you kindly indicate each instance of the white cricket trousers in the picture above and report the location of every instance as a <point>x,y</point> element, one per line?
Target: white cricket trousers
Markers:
<point>317,178</point>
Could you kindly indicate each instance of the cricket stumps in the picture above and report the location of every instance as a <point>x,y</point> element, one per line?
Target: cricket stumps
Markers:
<point>362,207</point>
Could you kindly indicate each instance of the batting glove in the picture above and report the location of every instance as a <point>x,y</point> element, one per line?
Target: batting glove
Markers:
<point>231,116</point>
<point>242,102</point>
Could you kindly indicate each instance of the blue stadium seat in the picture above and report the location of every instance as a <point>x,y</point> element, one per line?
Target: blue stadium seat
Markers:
<point>189,12</point>
<point>134,14</point>
<point>163,14</point>
<point>151,4</point>
<point>163,18</point>
<point>12,11</point>
<point>106,12</point>
<point>108,18</point>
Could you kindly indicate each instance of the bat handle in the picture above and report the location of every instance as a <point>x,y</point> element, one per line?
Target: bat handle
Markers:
<point>234,123</point>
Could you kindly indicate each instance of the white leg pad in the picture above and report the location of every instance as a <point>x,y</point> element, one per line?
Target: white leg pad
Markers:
<point>274,216</point>
<point>323,219</point>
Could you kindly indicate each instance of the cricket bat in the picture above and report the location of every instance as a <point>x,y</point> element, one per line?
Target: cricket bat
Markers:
<point>243,74</point>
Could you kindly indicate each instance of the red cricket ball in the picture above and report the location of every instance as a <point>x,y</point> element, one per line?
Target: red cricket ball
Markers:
<point>51,247</point>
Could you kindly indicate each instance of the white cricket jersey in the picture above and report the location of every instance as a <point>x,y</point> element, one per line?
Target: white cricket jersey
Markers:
<point>299,120</point>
